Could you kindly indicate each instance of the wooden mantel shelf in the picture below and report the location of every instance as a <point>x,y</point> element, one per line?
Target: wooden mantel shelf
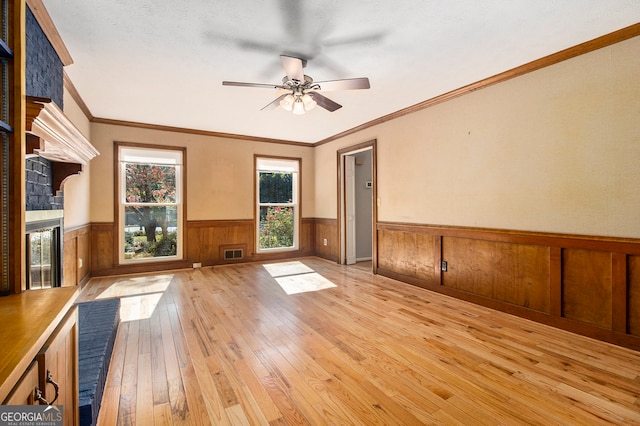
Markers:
<point>60,139</point>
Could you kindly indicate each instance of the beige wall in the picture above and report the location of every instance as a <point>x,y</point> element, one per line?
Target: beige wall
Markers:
<point>76,187</point>
<point>219,171</point>
<point>556,150</point>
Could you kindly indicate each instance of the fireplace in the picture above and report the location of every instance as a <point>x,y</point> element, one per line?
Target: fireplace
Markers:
<point>44,249</point>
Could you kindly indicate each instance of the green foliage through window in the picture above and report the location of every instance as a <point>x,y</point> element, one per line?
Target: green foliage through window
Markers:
<point>277,203</point>
<point>276,227</point>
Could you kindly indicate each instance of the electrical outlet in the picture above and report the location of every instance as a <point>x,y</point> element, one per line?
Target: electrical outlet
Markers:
<point>325,242</point>
<point>197,265</point>
<point>444,266</point>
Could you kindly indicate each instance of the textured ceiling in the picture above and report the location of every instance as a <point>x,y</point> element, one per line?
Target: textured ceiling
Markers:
<point>162,61</point>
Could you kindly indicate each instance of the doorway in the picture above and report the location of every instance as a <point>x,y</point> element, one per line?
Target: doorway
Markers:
<point>356,204</point>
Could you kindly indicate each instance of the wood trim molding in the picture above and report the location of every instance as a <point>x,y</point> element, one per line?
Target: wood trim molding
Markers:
<point>76,231</point>
<point>324,221</point>
<point>73,92</point>
<point>223,222</point>
<point>50,30</point>
<point>563,55</point>
<point>16,170</point>
<point>141,268</point>
<point>158,127</point>
<point>555,281</point>
<point>619,292</point>
<point>373,146</point>
<point>116,184</point>
<point>101,226</point>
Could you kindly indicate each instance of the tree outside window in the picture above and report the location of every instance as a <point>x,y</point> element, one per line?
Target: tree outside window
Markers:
<point>277,207</point>
<point>150,203</point>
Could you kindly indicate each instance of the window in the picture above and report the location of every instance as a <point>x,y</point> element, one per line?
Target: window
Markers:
<point>277,205</point>
<point>150,203</point>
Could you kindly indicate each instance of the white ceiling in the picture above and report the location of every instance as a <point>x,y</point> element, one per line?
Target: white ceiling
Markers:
<point>162,61</point>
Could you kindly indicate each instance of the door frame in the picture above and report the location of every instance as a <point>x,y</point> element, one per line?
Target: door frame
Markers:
<point>341,182</point>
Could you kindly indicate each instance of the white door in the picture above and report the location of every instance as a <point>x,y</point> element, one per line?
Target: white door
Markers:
<point>350,207</point>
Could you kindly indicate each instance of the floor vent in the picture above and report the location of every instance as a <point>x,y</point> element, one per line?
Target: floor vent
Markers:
<point>232,254</point>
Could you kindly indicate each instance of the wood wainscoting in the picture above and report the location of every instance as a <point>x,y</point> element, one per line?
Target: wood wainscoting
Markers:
<point>205,243</point>
<point>76,262</point>
<point>326,229</point>
<point>587,285</point>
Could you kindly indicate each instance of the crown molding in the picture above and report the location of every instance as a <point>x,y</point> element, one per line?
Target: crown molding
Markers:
<point>100,120</point>
<point>73,92</point>
<point>563,55</point>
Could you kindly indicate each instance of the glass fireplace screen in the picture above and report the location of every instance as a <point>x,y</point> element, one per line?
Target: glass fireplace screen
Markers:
<point>43,262</point>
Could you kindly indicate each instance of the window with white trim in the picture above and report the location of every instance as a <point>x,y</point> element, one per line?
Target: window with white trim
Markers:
<point>150,203</point>
<point>277,204</point>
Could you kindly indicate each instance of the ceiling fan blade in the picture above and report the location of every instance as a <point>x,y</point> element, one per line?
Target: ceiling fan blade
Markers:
<point>325,102</point>
<point>346,84</point>
<point>241,84</point>
<point>274,104</point>
<point>292,67</point>
<point>356,39</point>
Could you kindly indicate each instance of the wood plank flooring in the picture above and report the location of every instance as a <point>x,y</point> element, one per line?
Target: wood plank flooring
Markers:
<point>227,345</point>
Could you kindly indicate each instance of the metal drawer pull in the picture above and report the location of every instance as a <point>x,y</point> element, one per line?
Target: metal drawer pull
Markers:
<point>38,392</point>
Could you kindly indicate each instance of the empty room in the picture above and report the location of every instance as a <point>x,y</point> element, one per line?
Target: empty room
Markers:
<point>320,212</point>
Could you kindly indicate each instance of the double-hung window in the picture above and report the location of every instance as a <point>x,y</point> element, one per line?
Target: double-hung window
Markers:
<point>150,203</point>
<point>277,203</point>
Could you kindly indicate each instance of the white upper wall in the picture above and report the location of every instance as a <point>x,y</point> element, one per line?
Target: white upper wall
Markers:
<point>555,150</point>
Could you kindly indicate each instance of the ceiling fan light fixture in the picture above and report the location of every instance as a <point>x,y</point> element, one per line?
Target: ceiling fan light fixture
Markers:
<point>298,106</point>
<point>301,92</point>
<point>287,102</point>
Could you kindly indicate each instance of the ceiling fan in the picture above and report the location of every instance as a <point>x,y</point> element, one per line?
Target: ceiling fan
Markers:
<point>301,91</point>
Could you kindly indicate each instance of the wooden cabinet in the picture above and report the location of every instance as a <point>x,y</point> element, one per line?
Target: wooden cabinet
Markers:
<point>39,344</point>
<point>24,393</point>
<point>58,368</point>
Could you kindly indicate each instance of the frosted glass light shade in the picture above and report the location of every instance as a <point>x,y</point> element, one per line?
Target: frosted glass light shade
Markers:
<point>287,103</point>
<point>308,102</point>
<point>298,106</point>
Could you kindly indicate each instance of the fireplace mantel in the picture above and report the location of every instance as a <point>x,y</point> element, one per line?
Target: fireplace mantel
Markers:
<point>58,139</point>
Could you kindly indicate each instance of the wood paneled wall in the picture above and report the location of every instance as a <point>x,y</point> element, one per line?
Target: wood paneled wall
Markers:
<point>205,242</point>
<point>77,261</point>
<point>587,285</point>
<point>326,229</point>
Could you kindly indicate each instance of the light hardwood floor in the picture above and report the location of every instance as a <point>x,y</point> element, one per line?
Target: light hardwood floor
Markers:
<point>227,345</point>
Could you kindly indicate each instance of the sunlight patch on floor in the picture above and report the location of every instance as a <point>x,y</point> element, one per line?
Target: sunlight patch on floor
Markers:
<point>134,308</point>
<point>296,277</point>
<point>282,269</point>
<point>139,296</point>
<point>131,286</point>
